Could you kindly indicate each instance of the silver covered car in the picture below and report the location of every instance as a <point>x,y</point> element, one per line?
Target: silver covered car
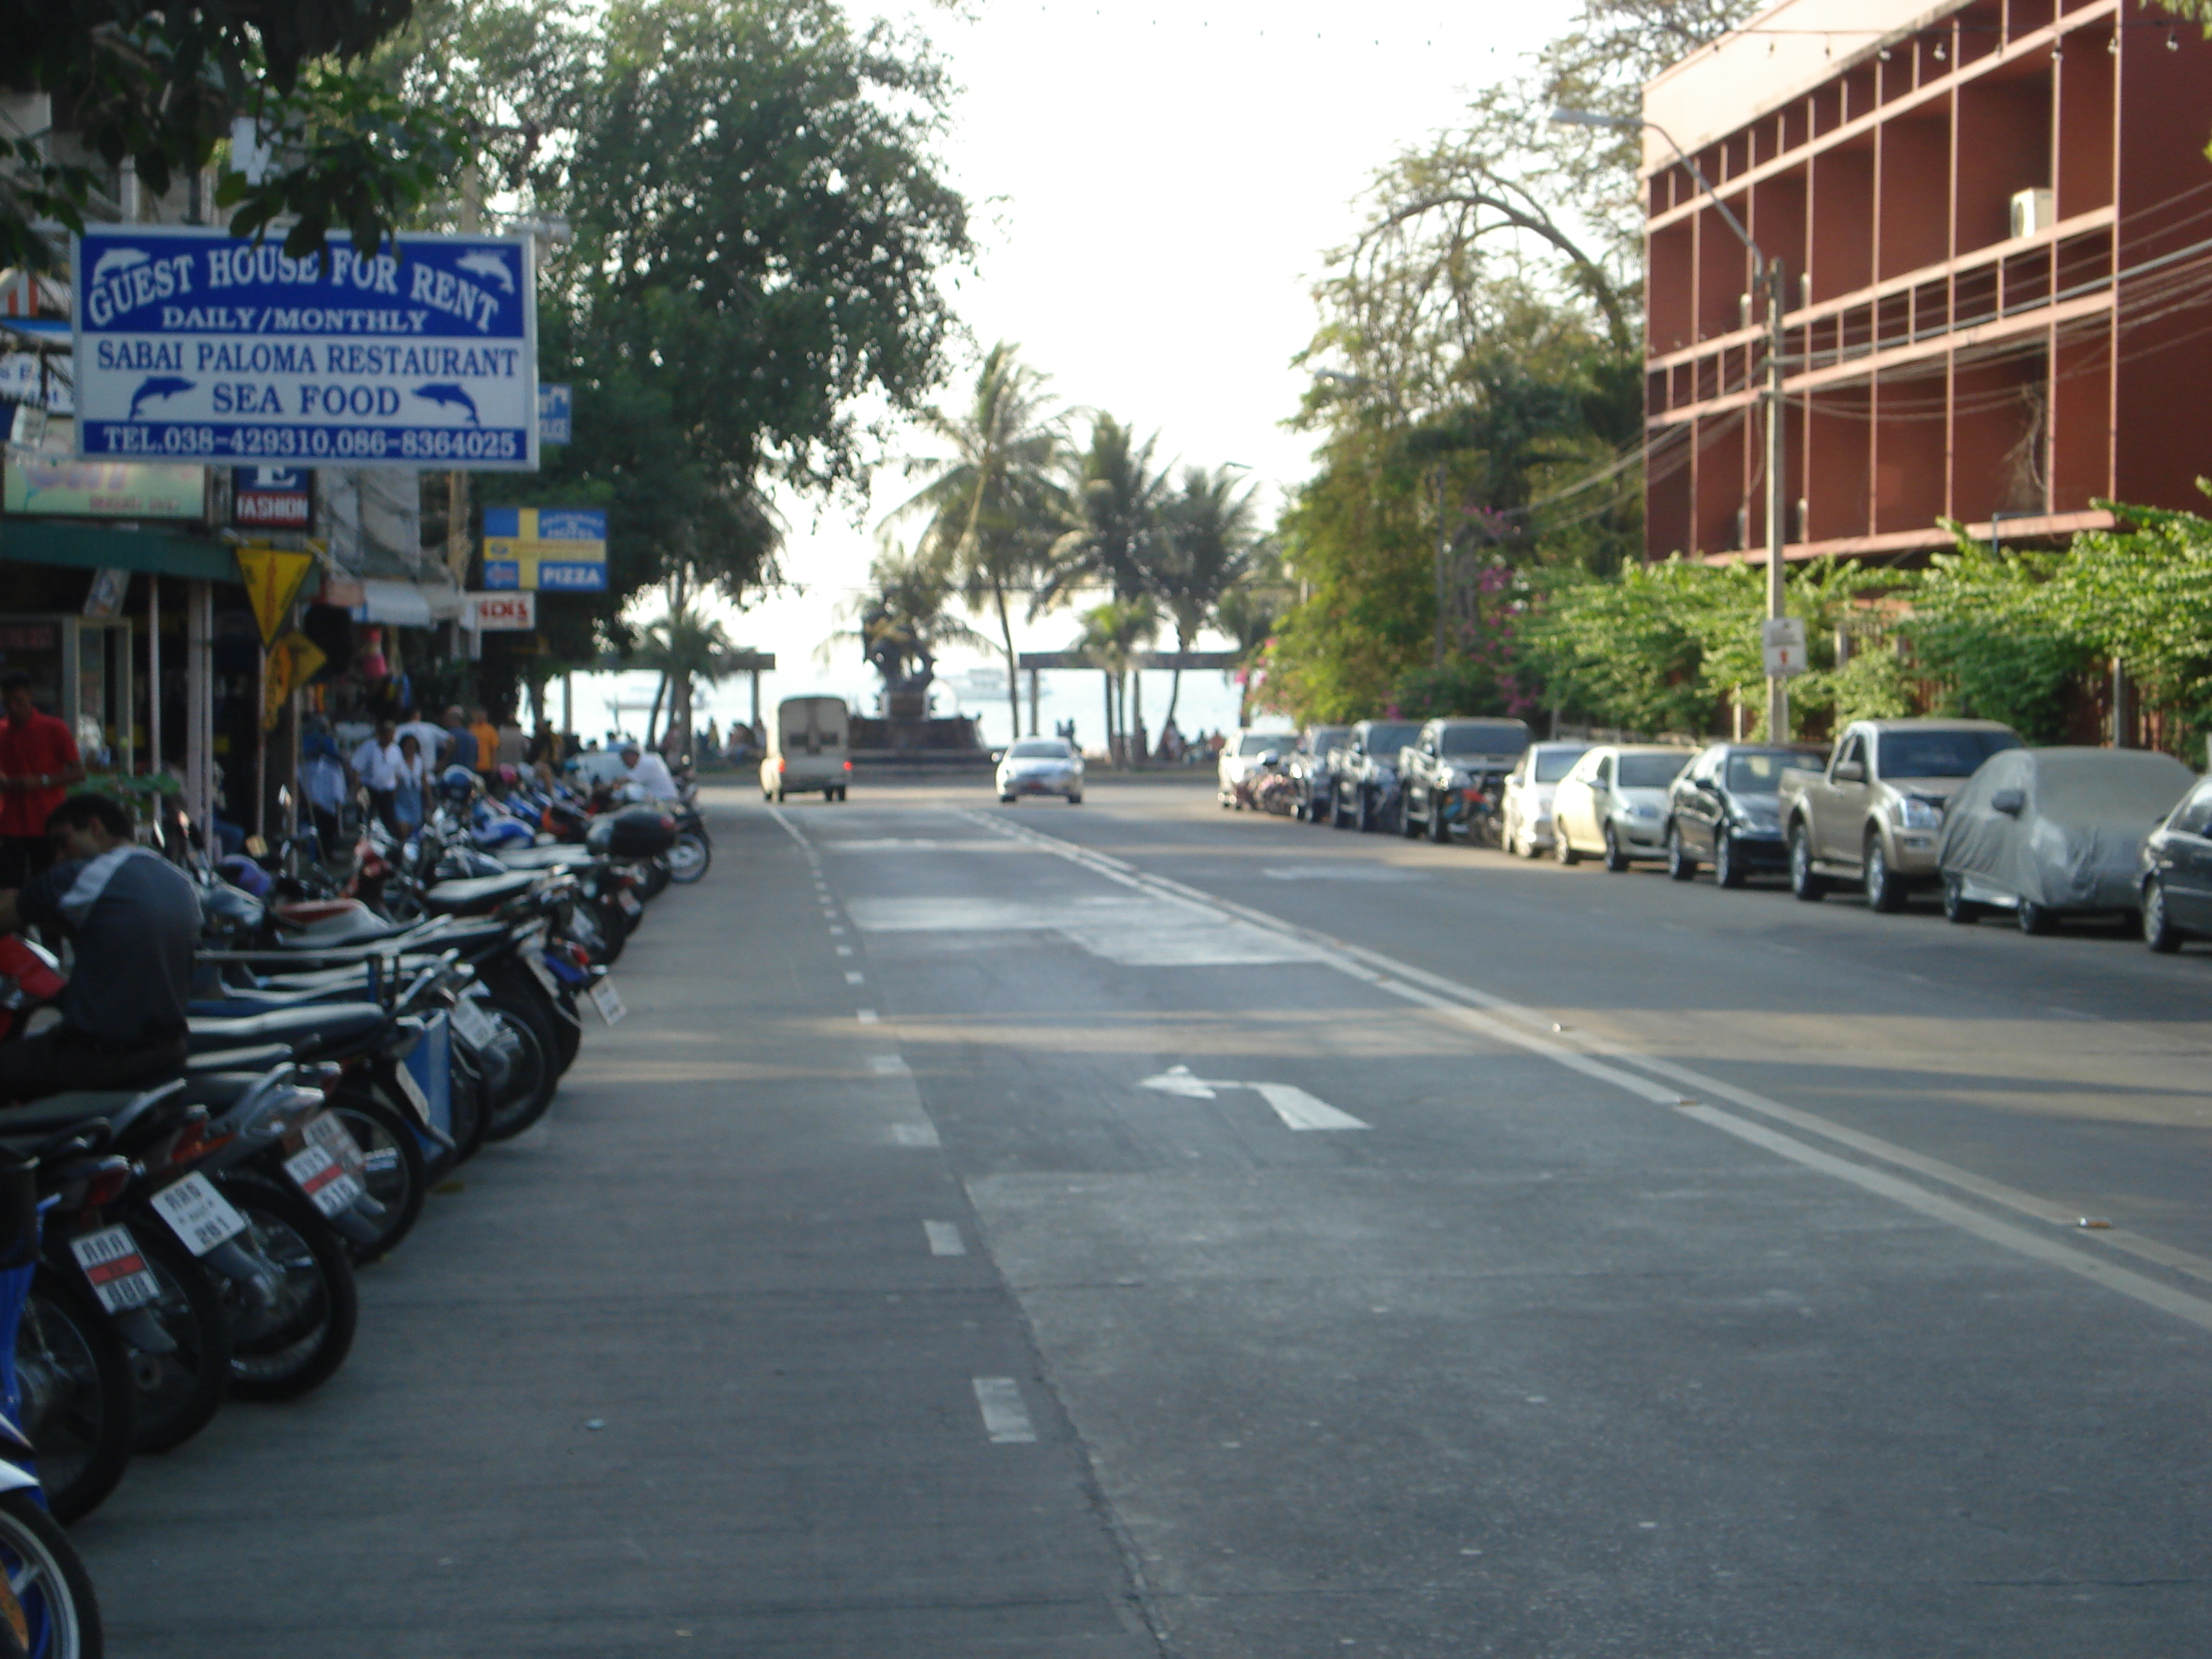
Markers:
<point>2045,833</point>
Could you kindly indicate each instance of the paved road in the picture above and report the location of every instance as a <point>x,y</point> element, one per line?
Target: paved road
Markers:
<point>1142,1229</point>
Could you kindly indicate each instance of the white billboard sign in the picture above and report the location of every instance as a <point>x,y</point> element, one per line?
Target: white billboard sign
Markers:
<point>193,344</point>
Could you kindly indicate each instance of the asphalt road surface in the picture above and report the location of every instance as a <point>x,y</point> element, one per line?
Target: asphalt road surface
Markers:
<point>1142,1229</point>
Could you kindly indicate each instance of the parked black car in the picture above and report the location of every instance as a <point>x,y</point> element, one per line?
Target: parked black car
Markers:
<point>1452,776</point>
<point>2177,874</point>
<point>1364,791</point>
<point>1724,811</point>
<point>1309,769</point>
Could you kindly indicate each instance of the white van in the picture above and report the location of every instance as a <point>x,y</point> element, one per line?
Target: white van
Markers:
<point>807,749</point>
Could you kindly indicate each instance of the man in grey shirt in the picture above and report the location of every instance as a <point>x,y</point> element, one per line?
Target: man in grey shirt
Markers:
<point>133,919</point>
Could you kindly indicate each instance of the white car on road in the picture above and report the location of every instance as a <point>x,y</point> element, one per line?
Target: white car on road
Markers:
<point>1613,802</point>
<point>1526,812</point>
<point>1041,766</point>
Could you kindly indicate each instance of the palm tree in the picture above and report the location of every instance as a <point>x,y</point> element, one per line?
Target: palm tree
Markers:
<point>685,645</point>
<point>992,503</point>
<point>1112,634</point>
<point>1204,548</point>
<point>1113,520</point>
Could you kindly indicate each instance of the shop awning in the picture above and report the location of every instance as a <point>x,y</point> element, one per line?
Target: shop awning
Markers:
<point>91,546</point>
<point>404,605</point>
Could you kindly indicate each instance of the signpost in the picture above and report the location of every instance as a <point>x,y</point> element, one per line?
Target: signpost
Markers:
<point>554,424</point>
<point>269,497</point>
<point>504,613</point>
<point>1782,641</point>
<point>192,344</point>
<point>546,549</point>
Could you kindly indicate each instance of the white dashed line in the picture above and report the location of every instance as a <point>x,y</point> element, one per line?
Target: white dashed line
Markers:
<point>844,950</point>
<point>866,1015</point>
<point>944,1238</point>
<point>887,1065</point>
<point>914,1134</point>
<point>852,978</point>
<point>1006,1419</point>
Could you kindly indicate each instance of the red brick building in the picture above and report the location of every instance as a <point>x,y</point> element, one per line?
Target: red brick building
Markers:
<point>1996,221</point>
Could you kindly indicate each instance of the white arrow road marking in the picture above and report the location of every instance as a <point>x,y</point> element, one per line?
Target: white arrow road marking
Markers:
<point>1297,1109</point>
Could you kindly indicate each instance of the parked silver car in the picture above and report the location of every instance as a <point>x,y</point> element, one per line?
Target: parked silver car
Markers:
<point>1529,790</point>
<point>1613,802</point>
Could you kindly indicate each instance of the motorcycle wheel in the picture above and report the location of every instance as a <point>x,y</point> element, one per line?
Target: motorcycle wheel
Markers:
<point>689,858</point>
<point>80,1404</point>
<point>180,1393</point>
<point>398,1175</point>
<point>656,879</point>
<point>613,928</point>
<point>319,1305</point>
<point>537,1073</point>
<point>61,1614</point>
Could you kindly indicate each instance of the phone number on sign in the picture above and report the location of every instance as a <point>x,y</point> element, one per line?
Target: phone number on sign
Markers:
<point>298,443</point>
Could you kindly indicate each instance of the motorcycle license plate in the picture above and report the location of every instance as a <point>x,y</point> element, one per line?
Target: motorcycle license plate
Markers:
<point>477,1027</point>
<point>112,1259</point>
<point>329,1131</point>
<point>629,901</point>
<point>201,1217</point>
<point>413,1092</point>
<point>323,1179</point>
<point>534,959</point>
<point>607,1000</point>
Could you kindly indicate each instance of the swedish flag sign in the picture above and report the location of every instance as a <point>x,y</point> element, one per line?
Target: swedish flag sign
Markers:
<point>546,549</point>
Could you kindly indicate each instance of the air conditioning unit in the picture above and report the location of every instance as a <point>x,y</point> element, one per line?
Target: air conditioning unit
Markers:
<point>2032,210</point>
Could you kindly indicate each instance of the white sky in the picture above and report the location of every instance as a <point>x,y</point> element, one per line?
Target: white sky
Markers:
<point>1152,190</point>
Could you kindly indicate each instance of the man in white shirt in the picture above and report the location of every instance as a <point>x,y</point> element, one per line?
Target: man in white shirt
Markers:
<point>649,772</point>
<point>377,764</point>
<point>431,737</point>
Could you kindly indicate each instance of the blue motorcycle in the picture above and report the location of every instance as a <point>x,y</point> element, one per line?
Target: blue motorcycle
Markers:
<point>47,1607</point>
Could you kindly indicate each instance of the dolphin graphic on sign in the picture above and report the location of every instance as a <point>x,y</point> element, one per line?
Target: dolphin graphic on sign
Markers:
<point>484,263</point>
<point>120,258</point>
<point>452,396</point>
<point>157,385</point>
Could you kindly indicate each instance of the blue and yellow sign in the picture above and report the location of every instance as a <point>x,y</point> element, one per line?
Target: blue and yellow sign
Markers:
<point>547,550</point>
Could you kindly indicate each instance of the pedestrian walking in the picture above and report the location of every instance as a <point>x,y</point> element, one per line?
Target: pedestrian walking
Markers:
<point>376,767</point>
<point>412,778</point>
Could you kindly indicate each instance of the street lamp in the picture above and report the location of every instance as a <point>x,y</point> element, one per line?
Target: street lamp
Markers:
<point>1777,688</point>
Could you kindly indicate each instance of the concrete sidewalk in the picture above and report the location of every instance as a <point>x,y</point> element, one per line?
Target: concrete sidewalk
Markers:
<point>697,1366</point>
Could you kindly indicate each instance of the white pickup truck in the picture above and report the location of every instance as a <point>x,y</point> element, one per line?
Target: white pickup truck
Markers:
<point>1873,816</point>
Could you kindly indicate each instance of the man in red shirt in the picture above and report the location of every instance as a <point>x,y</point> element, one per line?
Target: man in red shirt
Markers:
<point>39,762</point>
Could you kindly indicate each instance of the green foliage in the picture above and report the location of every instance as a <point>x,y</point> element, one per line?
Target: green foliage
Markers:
<point>156,84</point>
<point>1112,502</point>
<point>2143,597</point>
<point>753,294</point>
<point>1985,626</point>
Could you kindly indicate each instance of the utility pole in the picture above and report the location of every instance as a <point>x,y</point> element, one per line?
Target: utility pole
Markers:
<point>1778,476</point>
<point>1443,558</point>
<point>1768,273</point>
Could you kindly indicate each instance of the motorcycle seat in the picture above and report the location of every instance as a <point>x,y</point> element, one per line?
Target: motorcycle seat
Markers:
<point>199,1067</point>
<point>476,894</point>
<point>318,1026</point>
<point>219,1090</point>
<point>557,857</point>
<point>73,1106</point>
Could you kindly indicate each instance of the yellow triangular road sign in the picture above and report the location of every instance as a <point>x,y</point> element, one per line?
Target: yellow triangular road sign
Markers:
<point>273,580</point>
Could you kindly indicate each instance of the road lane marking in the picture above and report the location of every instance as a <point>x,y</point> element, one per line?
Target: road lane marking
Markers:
<point>944,1238</point>
<point>844,950</point>
<point>914,1134</point>
<point>866,1015</point>
<point>2128,1282</point>
<point>1006,1419</point>
<point>1297,1109</point>
<point>852,978</point>
<point>887,1065</point>
<point>1523,1027</point>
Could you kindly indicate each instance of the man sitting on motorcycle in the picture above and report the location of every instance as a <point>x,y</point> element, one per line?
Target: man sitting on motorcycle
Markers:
<point>134,920</point>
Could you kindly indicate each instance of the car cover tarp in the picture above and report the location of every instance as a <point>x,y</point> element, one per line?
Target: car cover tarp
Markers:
<point>2077,840</point>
